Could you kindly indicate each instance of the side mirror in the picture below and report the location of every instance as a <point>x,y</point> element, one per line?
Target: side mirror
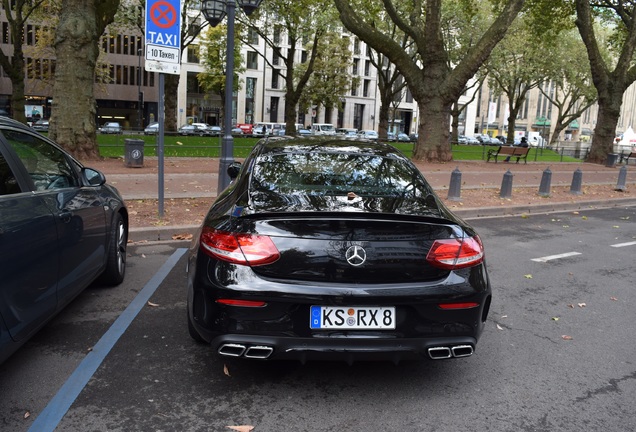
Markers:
<point>233,170</point>
<point>93,177</point>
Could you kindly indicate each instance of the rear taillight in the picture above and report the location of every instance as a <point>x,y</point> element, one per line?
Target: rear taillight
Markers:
<point>454,254</point>
<point>245,249</point>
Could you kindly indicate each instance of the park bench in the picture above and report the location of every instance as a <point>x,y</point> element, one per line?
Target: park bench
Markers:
<point>625,156</point>
<point>517,152</point>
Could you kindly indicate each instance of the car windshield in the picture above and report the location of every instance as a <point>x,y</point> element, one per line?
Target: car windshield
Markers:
<point>337,173</point>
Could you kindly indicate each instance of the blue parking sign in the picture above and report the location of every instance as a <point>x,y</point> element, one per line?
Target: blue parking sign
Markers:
<point>163,36</point>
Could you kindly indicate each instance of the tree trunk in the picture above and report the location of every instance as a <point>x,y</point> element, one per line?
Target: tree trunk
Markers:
<point>433,143</point>
<point>73,119</point>
<point>171,92</point>
<point>605,131</point>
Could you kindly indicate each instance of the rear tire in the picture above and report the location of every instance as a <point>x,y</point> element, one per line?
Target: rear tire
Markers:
<point>116,265</point>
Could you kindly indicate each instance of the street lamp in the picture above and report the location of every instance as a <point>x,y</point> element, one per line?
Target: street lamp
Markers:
<point>214,12</point>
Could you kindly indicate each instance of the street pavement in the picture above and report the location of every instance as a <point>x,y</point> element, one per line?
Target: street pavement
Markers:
<point>198,178</point>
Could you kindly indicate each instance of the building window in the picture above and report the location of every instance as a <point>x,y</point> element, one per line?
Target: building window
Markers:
<point>119,44</point>
<point>408,97</point>
<point>367,68</point>
<point>303,56</point>
<point>275,57</point>
<point>354,89</point>
<point>356,65</point>
<point>356,46</point>
<point>358,112</point>
<point>5,33</point>
<point>275,75</point>
<point>252,36</point>
<point>193,54</point>
<point>252,60</point>
<point>276,36</point>
<point>365,88</point>
<point>250,102</point>
<point>273,110</point>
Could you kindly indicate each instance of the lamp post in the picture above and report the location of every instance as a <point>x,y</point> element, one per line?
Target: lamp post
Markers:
<point>214,12</point>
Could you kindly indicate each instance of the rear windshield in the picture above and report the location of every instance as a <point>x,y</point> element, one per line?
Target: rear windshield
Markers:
<point>337,174</point>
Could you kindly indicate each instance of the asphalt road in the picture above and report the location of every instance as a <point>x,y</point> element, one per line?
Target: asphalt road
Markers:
<point>557,354</point>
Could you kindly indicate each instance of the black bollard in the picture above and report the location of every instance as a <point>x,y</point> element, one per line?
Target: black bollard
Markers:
<point>546,179</point>
<point>506,185</point>
<point>454,190</point>
<point>577,181</point>
<point>622,178</point>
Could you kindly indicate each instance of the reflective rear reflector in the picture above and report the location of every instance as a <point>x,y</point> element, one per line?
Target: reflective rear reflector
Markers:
<point>451,306</point>
<point>241,303</point>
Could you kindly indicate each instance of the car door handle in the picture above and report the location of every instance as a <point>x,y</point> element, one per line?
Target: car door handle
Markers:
<point>65,216</point>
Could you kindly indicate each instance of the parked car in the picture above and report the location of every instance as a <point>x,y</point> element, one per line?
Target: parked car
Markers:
<point>111,128</point>
<point>402,137</point>
<point>61,228</point>
<point>348,132</point>
<point>461,139</point>
<point>215,130</point>
<point>471,140</point>
<point>368,134</point>
<point>192,129</point>
<point>246,128</point>
<point>152,129</point>
<point>41,125</point>
<point>301,259</point>
<point>237,131</point>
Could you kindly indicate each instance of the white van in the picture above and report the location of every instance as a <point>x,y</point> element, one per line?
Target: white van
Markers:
<point>323,129</point>
<point>263,128</point>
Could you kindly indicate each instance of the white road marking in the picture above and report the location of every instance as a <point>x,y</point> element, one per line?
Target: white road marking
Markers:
<point>553,257</point>
<point>624,244</point>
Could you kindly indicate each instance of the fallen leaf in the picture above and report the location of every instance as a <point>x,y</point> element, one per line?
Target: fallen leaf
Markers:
<point>582,305</point>
<point>584,217</point>
<point>613,299</point>
<point>566,337</point>
<point>525,216</point>
<point>499,327</point>
<point>226,371</point>
<point>184,236</point>
<point>143,255</point>
<point>504,316</point>
<point>27,415</point>
<point>528,276</point>
<point>555,318</point>
<point>571,306</point>
<point>575,212</point>
<point>152,304</point>
<point>241,428</point>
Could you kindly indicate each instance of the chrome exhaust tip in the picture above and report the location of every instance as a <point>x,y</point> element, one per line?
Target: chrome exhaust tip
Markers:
<point>438,353</point>
<point>462,350</point>
<point>258,352</point>
<point>232,350</point>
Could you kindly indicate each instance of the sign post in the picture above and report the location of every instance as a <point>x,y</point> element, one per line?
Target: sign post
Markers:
<point>163,55</point>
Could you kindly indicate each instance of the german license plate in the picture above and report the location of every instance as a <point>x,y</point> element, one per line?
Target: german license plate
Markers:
<point>352,318</point>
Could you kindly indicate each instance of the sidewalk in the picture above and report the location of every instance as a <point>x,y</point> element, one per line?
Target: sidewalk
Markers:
<point>198,178</point>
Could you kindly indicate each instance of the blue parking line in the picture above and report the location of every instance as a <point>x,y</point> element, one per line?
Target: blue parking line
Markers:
<point>51,416</point>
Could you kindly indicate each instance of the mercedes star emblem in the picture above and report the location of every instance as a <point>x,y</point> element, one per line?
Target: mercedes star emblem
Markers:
<point>356,255</point>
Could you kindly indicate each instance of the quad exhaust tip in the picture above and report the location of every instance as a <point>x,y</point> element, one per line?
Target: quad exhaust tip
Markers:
<point>252,352</point>
<point>443,352</point>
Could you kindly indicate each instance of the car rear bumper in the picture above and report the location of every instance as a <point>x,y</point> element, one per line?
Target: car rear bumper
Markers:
<point>344,348</point>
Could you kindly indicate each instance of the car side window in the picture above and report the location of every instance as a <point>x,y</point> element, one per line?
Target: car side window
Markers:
<point>8,182</point>
<point>47,166</point>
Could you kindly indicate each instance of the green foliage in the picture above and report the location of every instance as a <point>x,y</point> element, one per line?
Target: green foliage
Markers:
<point>214,54</point>
<point>327,84</point>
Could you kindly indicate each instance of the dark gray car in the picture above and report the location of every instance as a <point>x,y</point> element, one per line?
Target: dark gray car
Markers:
<point>61,228</point>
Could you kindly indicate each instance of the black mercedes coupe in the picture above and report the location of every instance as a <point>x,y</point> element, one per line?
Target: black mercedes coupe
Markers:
<point>332,248</point>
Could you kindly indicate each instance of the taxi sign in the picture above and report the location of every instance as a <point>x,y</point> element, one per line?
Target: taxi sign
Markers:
<point>163,36</point>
